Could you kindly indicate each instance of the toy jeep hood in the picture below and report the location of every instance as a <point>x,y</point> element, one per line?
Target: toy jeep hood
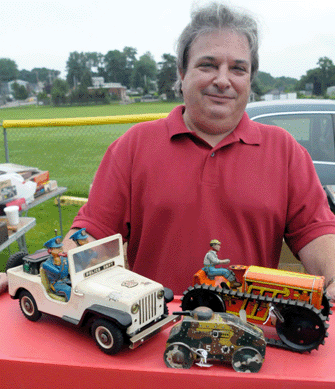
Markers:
<point>97,268</point>
<point>118,284</point>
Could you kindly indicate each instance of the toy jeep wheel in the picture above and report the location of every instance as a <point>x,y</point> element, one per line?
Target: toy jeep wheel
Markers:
<point>15,260</point>
<point>247,360</point>
<point>108,337</point>
<point>178,356</point>
<point>28,306</point>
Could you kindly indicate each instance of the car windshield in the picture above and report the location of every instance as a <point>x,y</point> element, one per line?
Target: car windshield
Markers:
<point>97,258</point>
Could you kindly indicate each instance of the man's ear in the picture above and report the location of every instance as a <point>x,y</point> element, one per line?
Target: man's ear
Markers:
<point>182,74</point>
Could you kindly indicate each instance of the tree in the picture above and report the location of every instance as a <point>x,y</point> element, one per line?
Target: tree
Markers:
<point>144,72</point>
<point>321,77</point>
<point>20,92</point>
<point>130,54</point>
<point>58,92</point>
<point>8,70</point>
<point>167,75</point>
<point>38,74</point>
<point>76,65</point>
<point>115,66</point>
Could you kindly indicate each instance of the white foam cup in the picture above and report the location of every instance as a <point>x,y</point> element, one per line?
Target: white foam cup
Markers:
<point>12,213</point>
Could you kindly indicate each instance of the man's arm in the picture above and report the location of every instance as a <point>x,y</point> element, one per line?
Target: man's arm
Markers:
<point>318,257</point>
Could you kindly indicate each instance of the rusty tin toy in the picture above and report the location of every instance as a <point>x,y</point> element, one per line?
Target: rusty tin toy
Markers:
<point>204,336</point>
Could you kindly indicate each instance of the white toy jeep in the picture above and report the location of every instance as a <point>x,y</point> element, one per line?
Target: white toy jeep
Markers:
<point>119,306</point>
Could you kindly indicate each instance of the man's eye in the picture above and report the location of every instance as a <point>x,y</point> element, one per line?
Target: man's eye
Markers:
<point>207,65</point>
<point>240,68</point>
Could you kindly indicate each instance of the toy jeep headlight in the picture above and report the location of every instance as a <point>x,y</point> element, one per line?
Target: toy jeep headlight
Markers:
<point>135,308</point>
<point>160,294</point>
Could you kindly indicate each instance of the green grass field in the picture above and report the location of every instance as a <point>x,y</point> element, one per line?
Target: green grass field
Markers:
<point>70,154</point>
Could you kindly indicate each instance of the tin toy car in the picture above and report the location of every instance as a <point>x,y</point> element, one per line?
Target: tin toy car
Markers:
<point>205,335</point>
<point>294,303</point>
<point>118,305</point>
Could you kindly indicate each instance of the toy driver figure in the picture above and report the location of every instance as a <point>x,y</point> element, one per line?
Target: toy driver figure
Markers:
<point>85,257</point>
<point>211,259</point>
<point>57,268</point>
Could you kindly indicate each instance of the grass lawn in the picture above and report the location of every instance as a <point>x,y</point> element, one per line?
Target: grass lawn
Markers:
<point>70,154</point>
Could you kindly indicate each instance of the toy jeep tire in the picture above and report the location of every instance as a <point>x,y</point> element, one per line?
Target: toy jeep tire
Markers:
<point>108,337</point>
<point>15,260</point>
<point>247,360</point>
<point>28,306</point>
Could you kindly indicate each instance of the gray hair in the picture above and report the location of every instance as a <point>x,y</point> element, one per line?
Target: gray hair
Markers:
<point>212,17</point>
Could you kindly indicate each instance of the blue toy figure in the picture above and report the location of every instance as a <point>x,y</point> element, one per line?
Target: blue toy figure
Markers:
<point>211,259</point>
<point>57,268</point>
<point>85,257</point>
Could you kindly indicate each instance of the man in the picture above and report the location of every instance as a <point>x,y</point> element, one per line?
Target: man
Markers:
<point>169,186</point>
<point>57,268</point>
<point>85,257</point>
<point>211,260</point>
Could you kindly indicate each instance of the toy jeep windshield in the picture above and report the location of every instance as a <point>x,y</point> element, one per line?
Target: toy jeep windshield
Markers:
<point>118,305</point>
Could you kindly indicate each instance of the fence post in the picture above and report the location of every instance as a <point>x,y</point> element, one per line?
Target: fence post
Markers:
<point>6,144</point>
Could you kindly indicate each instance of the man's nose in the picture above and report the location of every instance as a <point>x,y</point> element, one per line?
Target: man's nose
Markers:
<point>222,79</point>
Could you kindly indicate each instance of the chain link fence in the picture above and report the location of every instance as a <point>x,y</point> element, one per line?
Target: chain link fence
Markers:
<point>70,149</point>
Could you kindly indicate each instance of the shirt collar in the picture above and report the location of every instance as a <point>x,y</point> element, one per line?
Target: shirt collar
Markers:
<point>246,131</point>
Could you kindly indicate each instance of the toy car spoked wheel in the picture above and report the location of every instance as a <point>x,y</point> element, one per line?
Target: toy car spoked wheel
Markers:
<point>28,306</point>
<point>108,337</point>
<point>202,296</point>
<point>178,356</point>
<point>302,330</point>
<point>247,360</point>
<point>15,260</point>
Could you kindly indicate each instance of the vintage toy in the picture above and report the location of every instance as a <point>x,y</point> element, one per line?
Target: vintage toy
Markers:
<point>211,260</point>
<point>294,303</point>
<point>118,305</point>
<point>206,335</point>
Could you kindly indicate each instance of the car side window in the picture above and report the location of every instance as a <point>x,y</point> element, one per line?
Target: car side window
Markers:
<point>313,131</point>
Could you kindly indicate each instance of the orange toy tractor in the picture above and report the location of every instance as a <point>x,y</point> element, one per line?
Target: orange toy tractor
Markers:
<point>294,303</point>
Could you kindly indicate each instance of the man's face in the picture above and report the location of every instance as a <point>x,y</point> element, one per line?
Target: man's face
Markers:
<point>216,85</point>
<point>216,247</point>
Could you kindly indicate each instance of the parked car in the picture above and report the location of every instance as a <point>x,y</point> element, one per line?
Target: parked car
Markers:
<point>312,124</point>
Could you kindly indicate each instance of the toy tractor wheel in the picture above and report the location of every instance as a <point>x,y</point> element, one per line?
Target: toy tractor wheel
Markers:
<point>303,328</point>
<point>178,356</point>
<point>108,337</point>
<point>15,260</point>
<point>28,306</point>
<point>326,305</point>
<point>247,360</point>
<point>202,296</point>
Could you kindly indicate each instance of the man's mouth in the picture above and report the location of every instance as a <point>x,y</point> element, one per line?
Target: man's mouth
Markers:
<point>219,98</point>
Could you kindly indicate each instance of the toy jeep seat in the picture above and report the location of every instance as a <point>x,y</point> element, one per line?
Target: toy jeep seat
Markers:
<point>46,284</point>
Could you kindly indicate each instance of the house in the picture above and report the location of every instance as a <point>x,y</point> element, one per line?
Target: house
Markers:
<point>278,95</point>
<point>113,88</point>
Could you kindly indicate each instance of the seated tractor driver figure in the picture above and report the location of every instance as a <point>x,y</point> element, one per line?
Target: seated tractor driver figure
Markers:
<point>81,238</point>
<point>57,268</point>
<point>211,259</point>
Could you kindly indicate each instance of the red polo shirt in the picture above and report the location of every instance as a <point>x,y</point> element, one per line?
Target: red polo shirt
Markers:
<point>169,193</point>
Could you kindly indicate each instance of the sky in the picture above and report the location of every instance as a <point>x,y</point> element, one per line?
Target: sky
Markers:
<point>294,34</point>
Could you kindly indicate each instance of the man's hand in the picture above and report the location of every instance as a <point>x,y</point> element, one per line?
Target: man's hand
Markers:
<point>3,282</point>
<point>224,260</point>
